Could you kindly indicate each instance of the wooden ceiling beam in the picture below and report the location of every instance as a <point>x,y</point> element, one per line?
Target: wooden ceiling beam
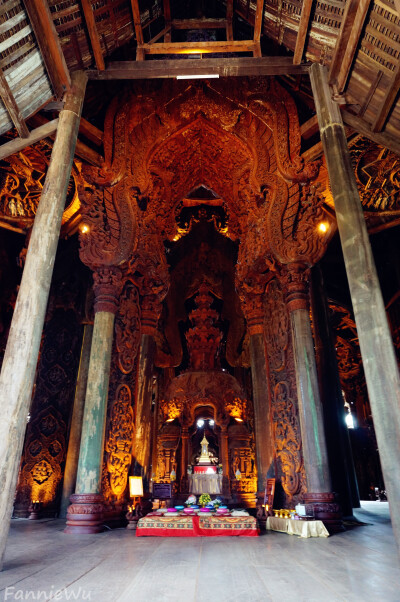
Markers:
<point>167,18</point>
<point>81,150</point>
<point>137,22</point>
<point>93,33</point>
<point>12,107</point>
<point>303,30</point>
<point>353,19</point>
<point>229,19</point>
<point>387,102</point>
<point>224,67</point>
<point>309,128</point>
<point>91,132</point>
<point>364,128</point>
<point>198,23</point>
<point>18,144</point>
<point>46,35</point>
<point>258,19</point>
<point>198,47</point>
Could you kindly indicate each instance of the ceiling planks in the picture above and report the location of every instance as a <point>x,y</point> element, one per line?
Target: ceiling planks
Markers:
<point>46,35</point>
<point>93,33</point>
<point>303,30</point>
<point>361,126</point>
<point>12,107</point>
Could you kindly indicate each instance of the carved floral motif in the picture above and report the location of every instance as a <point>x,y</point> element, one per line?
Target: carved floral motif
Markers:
<point>127,329</point>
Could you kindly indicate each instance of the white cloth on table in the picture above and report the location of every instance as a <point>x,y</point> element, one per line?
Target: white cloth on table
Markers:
<point>303,528</point>
<point>205,483</point>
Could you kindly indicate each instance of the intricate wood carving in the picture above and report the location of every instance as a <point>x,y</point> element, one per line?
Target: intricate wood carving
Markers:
<point>127,329</point>
<point>285,420</point>
<point>119,442</point>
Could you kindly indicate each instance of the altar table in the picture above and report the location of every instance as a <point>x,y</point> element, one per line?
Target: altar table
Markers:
<point>197,526</point>
<point>205,483</point>
<point>303,528</point>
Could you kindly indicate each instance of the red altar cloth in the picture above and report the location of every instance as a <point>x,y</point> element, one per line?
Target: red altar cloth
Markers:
<point>204,469</point>
<point>197,526</point>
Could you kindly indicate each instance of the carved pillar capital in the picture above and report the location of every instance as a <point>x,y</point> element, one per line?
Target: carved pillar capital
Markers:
<point>295,281</point>
<point>107,286</point>
<point>253,310</point>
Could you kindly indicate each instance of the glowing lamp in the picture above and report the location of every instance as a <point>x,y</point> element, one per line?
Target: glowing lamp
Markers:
<point>84,228</point>
<point>135,510</point>
<point>135,487</point>
<point>238,475</point>
<point>172,476</point>
<point>323,227</point>
<point>238,419</point>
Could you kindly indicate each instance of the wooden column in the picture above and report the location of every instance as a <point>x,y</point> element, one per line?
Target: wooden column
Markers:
<point>379,361</point>
<point>143,416</point>
<point>254,312</point>
<point>340,456</point>
<point>310,409</point>
<point>184,460</point>
<point>225,460</point>
<point>20,359</point>
<point>75,431</point>
<point>262,409</point>
<point>85,515</point>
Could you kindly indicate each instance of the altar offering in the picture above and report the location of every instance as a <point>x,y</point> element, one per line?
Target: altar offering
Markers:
<point>179,507</point>
<point>188,511</point>
<point>171,510</point>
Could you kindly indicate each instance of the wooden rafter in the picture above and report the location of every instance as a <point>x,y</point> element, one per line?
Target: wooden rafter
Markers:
<point>46,35</point>
<point>387,102</point>
<point>137,22</point>
<point>12,107</point>
<point>363,128</point>
<point>198,23</point>
<point>346,45</point>
<point>167,18</point>
<point>81,150</point>
<point>224,67</point>
<point>229,19</point>
<point>258,19</point>
<point>309,128</point>
<point>199,47</point>
<point>18,144</point>
<point>93,33</point>
<point>91,132</point>
<point>303,30</point>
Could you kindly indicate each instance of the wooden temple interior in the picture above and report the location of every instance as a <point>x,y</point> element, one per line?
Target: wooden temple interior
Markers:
<point>187,168</point>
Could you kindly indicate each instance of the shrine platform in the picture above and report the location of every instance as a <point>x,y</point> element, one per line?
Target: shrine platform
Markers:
<point>197,526</point>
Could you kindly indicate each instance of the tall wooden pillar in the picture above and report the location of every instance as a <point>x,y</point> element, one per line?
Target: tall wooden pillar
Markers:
<point>319,494</point>
<point>143,415</point>
<point>184,459</point>
<point>85,515</point>
<point>225,460</point>
<point>75,431</point>
<point>379,360</point>
<point>262,407</point>
<point>337,434</point>
<point>20,359</point>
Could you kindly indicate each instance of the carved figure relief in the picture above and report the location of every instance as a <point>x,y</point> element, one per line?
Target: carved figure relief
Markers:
<point>127,329</point>
<point>119,442</point>
<point>285,419</point>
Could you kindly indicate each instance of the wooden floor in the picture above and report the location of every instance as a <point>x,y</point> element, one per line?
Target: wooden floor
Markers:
<point>360,564</point>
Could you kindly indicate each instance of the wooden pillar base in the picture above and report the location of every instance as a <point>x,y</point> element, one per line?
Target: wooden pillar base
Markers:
<point>85,514</point>
<point>324,507</point>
